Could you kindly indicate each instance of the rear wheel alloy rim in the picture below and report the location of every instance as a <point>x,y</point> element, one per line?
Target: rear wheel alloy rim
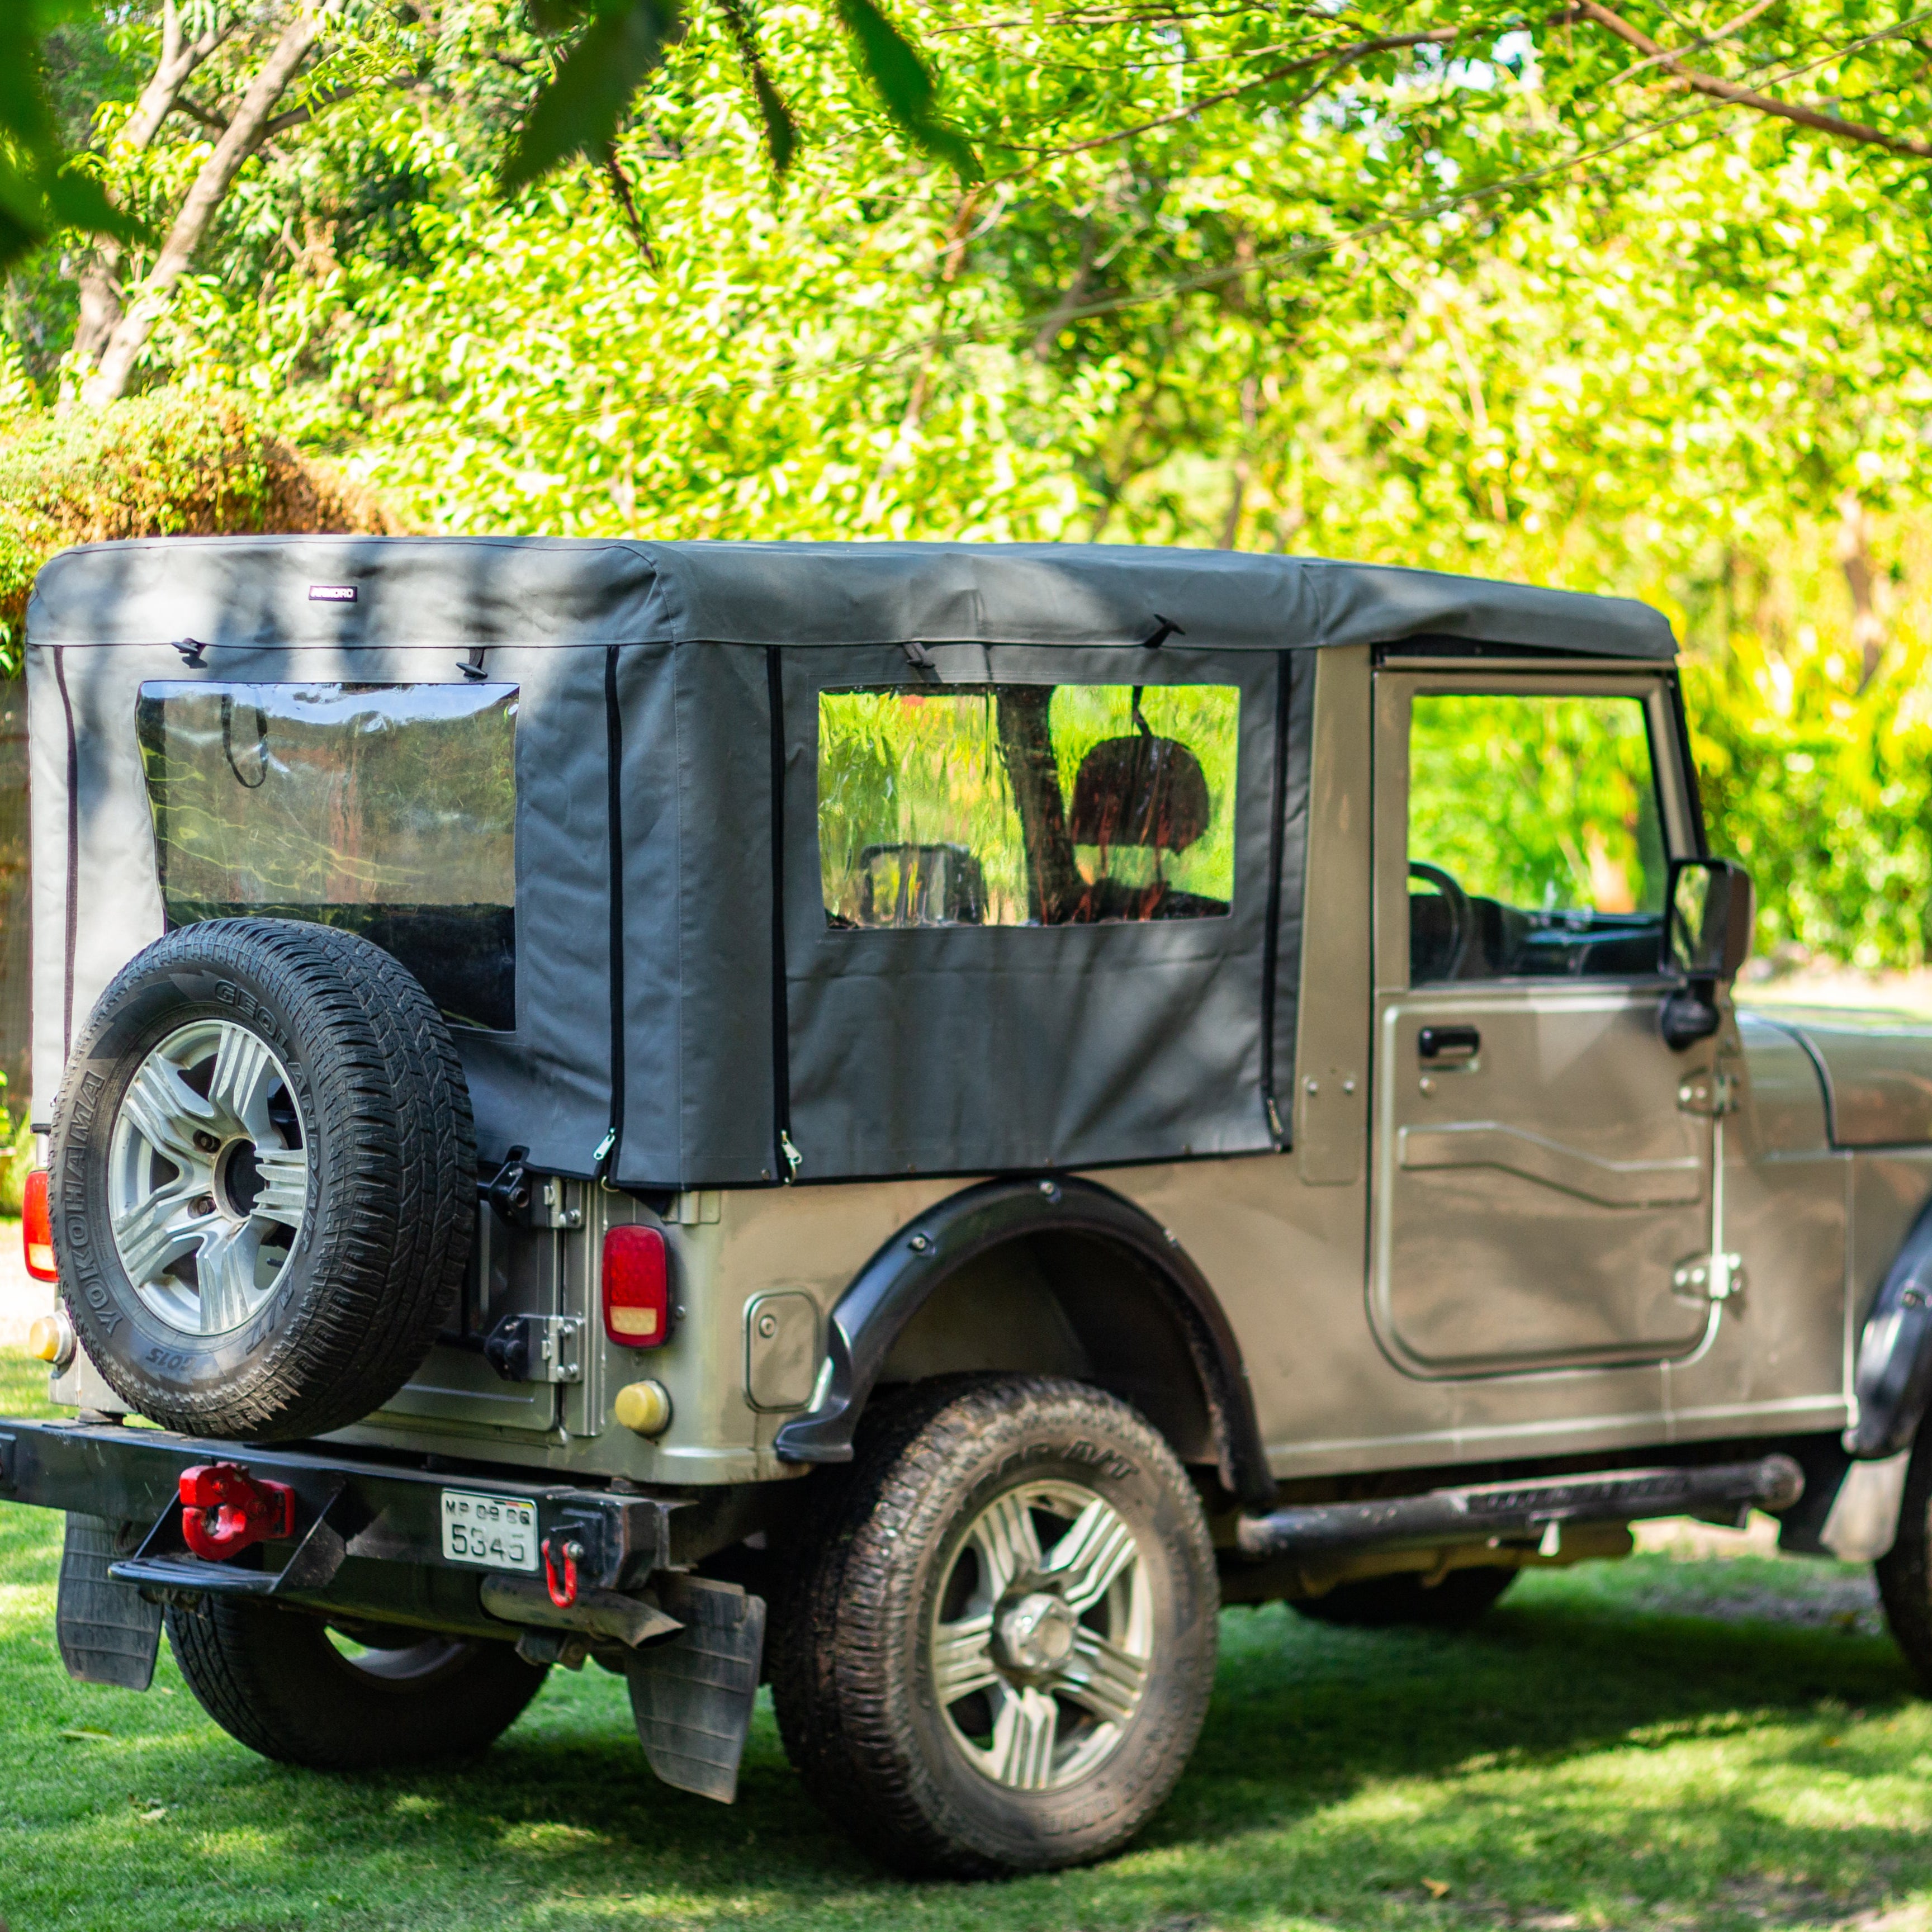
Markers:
<point>402,1659</point>
<point>207,1177</point>
<point>1042,1643</point>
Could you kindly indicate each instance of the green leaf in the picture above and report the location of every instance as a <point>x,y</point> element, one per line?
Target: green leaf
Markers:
<point>560,16</point>
<point>80,201</point>
<point>582,107</point>
<point>780,130</point>
<point>905,86</point>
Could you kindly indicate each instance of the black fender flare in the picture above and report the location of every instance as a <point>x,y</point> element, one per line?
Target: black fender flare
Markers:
<point>1893,1379</point>
<point>894,1284</point>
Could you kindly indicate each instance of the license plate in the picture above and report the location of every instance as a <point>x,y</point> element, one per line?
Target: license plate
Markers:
<point>499,1532</point>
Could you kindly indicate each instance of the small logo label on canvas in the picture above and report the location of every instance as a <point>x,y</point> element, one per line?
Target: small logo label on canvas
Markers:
<point>331,593</point>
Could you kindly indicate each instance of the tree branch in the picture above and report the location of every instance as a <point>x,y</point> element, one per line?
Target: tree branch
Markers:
<point>333,97</point>
<point>1337,57</point>
<point>99,273</point>
<point>243,133</point>
<point>1744,97</point>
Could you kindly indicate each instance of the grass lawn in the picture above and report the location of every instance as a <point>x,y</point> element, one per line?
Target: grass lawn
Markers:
<point>1662,1743</point>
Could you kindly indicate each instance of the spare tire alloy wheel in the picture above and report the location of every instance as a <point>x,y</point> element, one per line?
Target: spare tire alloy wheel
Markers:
<point>263,1179</point>
<point>207,1178</point>
<point>1039,1655</point>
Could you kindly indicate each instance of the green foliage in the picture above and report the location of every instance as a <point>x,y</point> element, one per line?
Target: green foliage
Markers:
<point>17,1159</point>
<point>1825,793</point>
<point>40,191</point>
<point>1376,284</point>
<point>584,105</point>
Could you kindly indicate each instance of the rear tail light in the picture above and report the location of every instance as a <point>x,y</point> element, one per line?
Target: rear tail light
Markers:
<point>37,1228</point>
<point>636,1287</point>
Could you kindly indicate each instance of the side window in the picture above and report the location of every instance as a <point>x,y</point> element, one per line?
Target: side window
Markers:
<point>1027,804</point>
<point>389,809</point>
<point>1535,843</point>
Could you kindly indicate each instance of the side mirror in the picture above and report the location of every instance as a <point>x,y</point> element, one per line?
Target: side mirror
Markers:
<point>1708,910</point>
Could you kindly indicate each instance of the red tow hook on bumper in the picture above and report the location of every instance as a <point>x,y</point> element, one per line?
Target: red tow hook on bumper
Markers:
<point>226,1510</point>
<point>562,1591</point>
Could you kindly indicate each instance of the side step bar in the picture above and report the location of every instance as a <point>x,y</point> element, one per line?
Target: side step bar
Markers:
<point>1525,1509</point>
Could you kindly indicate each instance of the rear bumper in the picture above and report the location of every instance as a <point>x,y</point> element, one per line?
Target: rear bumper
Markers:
<point>368,1536</point>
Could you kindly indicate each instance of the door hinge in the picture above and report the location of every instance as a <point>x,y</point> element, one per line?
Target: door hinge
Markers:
<point>537,1348</point>
<point>1712,1093</point>
<point>1716,1277</point>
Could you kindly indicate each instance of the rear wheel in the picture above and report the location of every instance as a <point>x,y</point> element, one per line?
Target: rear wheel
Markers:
<point>1904,1573</point>
<point>1385,1603</point>
<point>350,1697</point>
<point>999,1650</point>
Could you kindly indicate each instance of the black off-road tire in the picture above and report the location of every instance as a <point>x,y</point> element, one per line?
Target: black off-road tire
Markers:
<point>1904,1573</point>
<point>1390,1602</point>
<point>275,1680</point>
<point>385,1119</point>
<point>852,1679</point>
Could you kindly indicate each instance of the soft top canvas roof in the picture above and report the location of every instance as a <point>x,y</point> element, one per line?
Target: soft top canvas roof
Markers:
<point>256,592</point>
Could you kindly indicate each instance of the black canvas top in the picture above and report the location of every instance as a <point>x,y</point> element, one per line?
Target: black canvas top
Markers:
<point>257,590</point>
<point>684,1013</point>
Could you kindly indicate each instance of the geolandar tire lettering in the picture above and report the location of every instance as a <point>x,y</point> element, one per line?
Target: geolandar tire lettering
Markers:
<point>263,1175</point>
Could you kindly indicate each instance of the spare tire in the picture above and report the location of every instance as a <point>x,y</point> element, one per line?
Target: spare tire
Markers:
<point>263,1179</point>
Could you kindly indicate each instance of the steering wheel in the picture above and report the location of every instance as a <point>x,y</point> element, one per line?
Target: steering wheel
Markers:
<point>1462,921</point>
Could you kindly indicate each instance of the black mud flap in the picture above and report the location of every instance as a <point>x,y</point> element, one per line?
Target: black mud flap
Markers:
<point>108,1632</point>
<point>692,1697</point>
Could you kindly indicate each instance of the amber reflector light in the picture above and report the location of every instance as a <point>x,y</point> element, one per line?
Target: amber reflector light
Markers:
<point>636,1291</point>
<point>37,1228</point>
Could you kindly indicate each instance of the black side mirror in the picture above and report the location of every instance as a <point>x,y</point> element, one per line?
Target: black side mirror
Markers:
<point>1708,910</point>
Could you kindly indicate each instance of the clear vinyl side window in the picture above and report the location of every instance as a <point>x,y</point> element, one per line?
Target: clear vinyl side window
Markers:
<point>388,810</point>
<point>1536,844</point>
<point>1027,804</point>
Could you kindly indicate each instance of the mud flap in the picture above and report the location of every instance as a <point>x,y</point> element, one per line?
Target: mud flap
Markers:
<point>1863,1524</point>
<point>108,1632</point>
<point>692,1697</point>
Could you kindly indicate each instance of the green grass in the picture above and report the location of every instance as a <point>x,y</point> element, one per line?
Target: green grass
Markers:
<point>1719,1744</point>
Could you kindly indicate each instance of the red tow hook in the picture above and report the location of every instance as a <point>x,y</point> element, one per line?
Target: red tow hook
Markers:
<point>226,1510</point>
<point>565,1594</point>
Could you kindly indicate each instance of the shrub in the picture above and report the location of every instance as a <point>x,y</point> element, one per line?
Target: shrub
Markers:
<point>171,464</point>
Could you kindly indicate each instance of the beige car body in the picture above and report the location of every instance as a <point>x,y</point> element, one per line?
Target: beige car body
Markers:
<point>1468,1265</point>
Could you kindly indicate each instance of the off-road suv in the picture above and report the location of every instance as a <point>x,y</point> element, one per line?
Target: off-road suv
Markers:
<point>908,1120</point>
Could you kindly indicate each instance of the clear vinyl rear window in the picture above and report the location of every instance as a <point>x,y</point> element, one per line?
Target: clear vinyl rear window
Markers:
<point>388,809</point>
<point>1027,804</point>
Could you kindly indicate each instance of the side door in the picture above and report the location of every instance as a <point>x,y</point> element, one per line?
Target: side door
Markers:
<point>1542,1179</point>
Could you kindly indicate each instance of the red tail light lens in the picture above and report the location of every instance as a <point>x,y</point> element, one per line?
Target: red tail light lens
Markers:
<point>37,1228</point>
<point>636,1287</point>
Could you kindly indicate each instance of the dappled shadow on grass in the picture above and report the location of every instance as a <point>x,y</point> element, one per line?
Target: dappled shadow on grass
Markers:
<point>1576,1761</point>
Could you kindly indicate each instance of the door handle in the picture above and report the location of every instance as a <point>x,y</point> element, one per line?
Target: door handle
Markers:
<point>1448,1042</point>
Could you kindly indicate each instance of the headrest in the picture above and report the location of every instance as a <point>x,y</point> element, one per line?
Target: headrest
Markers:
<point>1141,790</point>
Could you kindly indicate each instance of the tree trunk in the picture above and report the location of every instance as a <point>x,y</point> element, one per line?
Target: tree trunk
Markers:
<point>1854,560</point>
<point>239,139</point>
<point>1054,883</point>
<point>100,309</point>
